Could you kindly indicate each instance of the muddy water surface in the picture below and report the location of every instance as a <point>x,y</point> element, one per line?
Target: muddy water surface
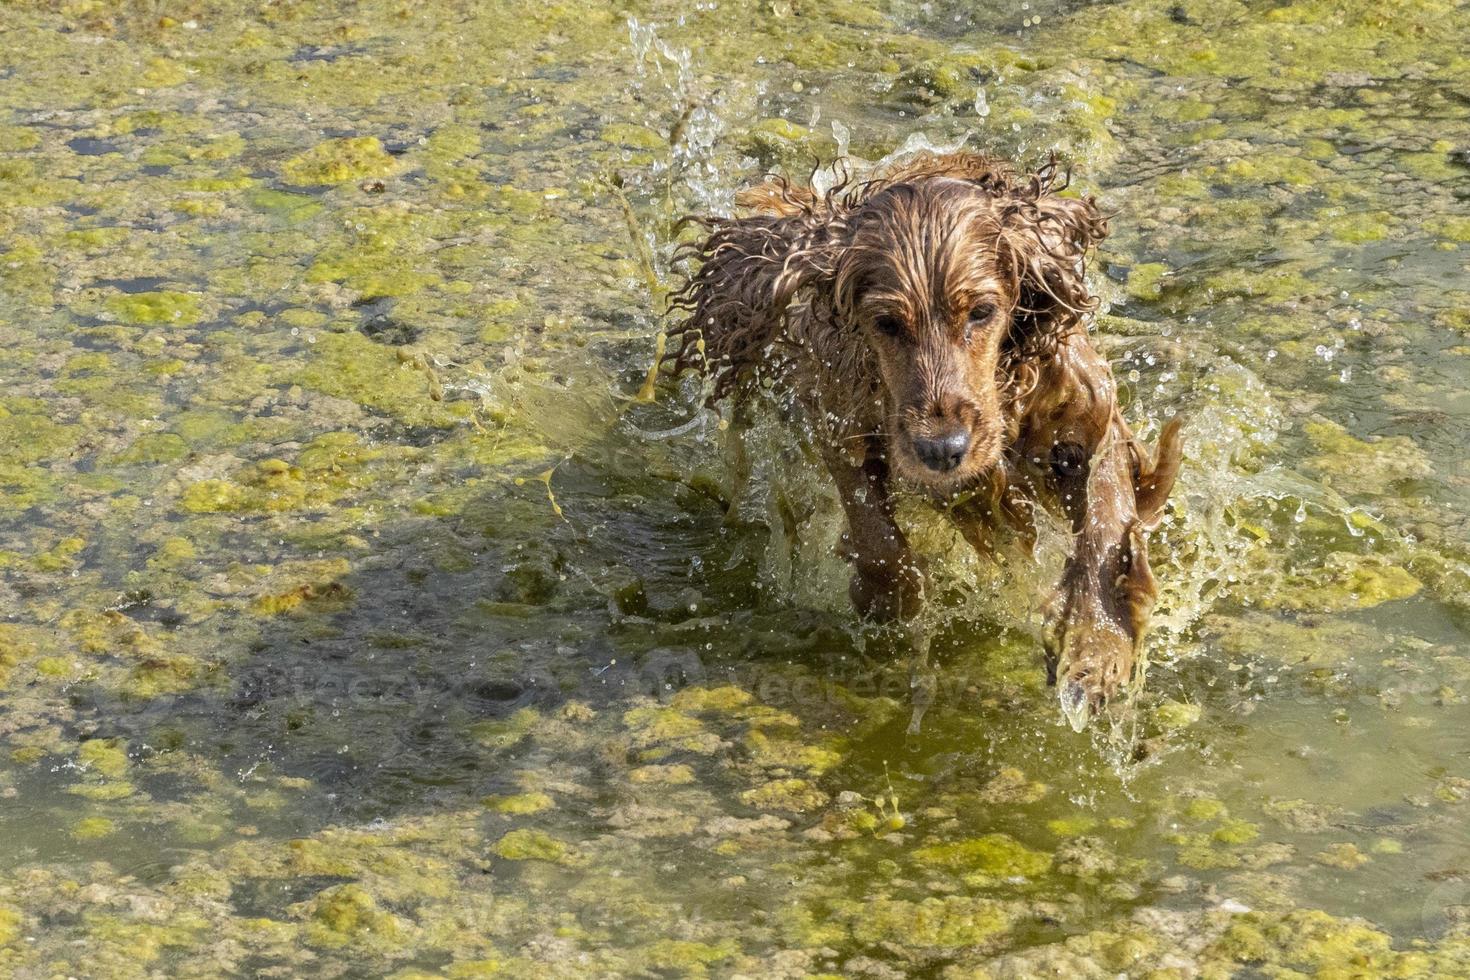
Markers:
<point>357,619</point>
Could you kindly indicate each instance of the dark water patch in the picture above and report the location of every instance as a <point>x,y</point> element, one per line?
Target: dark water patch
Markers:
<point>88,146</point>
<point>623,318</point>
<point>384,329</point>
<point>272,177</point>
<point>379,324</point>
<point>135,284</point>
<point>327,54</point>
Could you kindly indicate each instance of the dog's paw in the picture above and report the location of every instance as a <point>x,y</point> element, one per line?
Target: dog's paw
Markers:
<point>1094,665</point>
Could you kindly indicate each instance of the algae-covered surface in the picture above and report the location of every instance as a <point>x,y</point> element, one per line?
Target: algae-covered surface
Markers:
<point>359,618</point>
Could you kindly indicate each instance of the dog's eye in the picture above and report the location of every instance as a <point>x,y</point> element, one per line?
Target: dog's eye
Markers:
<point>888,326</point>
<point>1068,459</point>
<point>981,314</point>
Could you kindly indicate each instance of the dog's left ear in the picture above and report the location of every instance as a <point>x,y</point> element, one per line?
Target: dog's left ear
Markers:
<point>1048,237</point>
<point>1154,475</point>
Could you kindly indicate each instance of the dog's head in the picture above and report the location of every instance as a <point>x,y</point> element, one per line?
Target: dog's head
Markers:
<point>953,269</point>
<point>952,282</point>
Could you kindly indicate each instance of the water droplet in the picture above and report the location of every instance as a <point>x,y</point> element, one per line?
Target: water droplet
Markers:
<point>1074,705</point>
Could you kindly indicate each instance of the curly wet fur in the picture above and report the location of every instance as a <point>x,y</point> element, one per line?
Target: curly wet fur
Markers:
<point>945,295</point>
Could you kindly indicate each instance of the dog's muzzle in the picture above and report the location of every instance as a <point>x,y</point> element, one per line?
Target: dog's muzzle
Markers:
<point>944,452</point>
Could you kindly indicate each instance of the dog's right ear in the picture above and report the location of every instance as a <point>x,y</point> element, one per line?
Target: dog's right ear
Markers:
<point>751,268</point>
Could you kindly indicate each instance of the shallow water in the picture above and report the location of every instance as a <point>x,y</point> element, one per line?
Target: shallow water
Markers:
<point>359,621</point>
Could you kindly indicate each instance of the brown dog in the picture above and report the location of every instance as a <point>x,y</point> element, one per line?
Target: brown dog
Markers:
<point>928,324</point>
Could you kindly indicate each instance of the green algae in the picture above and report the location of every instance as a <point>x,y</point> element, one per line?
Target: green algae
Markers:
<point>954,76</point>
<point>1234,832</point>
<point>790,753</point>
<point>1175,714</point>
<point>532,845</point>
<point>330,467</point>
<point>668,728</point>
<point>320,597</point>
<point>165,307</point>
<point>1011,785</point>
<point>1073,826</point>
<point>93,828</point>
<point>141,942</point>
<point>688,957</point>
<point>1291,641</point>
<point>637,137</point>
<point>338,161</point>
<point>781,144</point>
<point>671,775</point>
<point>352,367</point>
<point>506,732</point>
<point>712,700</point>
<point>520,804</point>
<point>155,447</point>
<point>107,757</point>
<point>103,792</point>
<point>1315,943</point>
<point>1366,466</point>
<point>1345,582</point>
<point>1345,856</point>
<point>348,914</point>
<point>29,435</point>
<point>952,922</point>
<point>292,207</point>
<point>997,855</point>
<point>1146,281</point>
<point>795,795</point>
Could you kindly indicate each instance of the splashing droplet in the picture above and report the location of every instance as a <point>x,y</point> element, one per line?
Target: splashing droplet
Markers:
<point>1074,705</point>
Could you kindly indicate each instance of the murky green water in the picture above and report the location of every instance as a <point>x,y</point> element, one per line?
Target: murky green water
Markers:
<point>356,621</point>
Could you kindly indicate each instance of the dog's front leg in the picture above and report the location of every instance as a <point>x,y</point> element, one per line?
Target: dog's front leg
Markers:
<point>1107,589</point>
<point>887,584</point>
<point>887,579</point>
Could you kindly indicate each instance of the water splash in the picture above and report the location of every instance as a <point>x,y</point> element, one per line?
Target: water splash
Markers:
<point>920,142</point>
<point>1075,708</point>
<point>690,176</point>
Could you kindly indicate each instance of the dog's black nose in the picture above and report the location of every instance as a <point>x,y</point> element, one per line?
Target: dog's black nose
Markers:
<point>943,452</point>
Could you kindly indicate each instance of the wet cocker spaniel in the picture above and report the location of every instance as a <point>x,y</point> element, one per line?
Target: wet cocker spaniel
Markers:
<point>928,326</point>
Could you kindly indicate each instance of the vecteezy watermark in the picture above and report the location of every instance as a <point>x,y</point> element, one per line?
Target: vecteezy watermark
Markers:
<point>662,672</point>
